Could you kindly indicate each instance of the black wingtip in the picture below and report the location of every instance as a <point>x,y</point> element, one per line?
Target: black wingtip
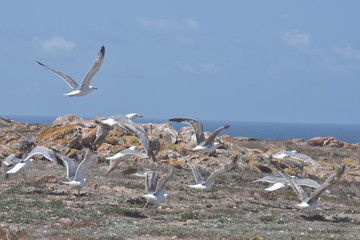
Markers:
<point>40,63</point>
<point>226,126</point>
<point>102,50</point>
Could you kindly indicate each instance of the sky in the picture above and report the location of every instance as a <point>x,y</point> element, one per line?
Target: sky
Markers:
<point>264,61</point>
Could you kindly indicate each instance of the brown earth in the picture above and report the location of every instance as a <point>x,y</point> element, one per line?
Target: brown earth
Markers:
<point>36,205</point>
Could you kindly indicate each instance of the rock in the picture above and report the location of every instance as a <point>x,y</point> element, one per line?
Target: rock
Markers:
<point>329,141</point>
<point>164,131</point>
<point>73,119</point>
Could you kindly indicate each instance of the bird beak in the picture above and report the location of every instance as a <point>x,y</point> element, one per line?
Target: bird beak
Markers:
<point>140,116</point>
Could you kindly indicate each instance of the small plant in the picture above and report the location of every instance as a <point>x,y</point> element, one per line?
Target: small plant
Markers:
<point>189,215</point>
<point>256,237</point>
<point>267,218</point>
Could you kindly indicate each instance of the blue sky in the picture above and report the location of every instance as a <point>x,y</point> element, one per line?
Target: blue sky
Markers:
<point>269,61</point>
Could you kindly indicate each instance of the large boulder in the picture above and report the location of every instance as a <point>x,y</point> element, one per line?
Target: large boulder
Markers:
<point>327,141</point>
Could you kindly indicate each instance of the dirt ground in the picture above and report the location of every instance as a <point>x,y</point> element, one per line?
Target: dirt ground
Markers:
<point>36,205</point>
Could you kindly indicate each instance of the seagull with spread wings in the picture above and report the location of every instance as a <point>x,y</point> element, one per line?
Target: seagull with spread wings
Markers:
<point>204,145</point>
<point>281,182</point>
<point>207,185</point>
<point>84,88</point>
<point>314,200</point>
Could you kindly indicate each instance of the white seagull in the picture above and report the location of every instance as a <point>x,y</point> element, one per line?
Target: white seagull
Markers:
<point>28,160</point>
<point>281,182</point>
<point>314,200</point>
<point>123,155</point>
<point>208,184</point>
<point>125,122</point>
<point>203,145</point>
<point>85,87</point>
<point>295,155</point>
<point>8,162</point>
<point>76,172</point>
<point>156,195</point>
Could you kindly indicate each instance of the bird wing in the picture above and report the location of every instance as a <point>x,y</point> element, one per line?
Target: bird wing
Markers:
<point>151,180</point>
<point>275,186</point>
<point>212,137</point>
<point>101,133</point>
<point>70,165</point>
<point>67,78</point>
<point>197,175</point>
<point>43,151</point>
<point>129,151</point>
<point>10,160</point>
<point>160,188</point>
<point>329,182</point>
<point>84,165</point>
<point>196,125</point>
<point>296,187</point>
<point>19,166</point>
<point>303,157</point>
<point>225,168</point>
<point>86,81</point>
<point>307,182</point>
<point>271,179</point>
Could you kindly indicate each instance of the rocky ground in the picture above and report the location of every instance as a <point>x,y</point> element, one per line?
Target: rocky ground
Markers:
<point>35,203</point>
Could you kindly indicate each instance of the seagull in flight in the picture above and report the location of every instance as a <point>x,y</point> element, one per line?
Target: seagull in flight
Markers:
<point>49,154</point>
<point>281,182</point>
<point>126,123</point>
<point>295,155</point>
<point>207,185</point>
<point>76,172</point>
<point>124,155</point>
<point>314,200</point>
<point>156,189</point>
<point>203,145</point>
<point>84,88</point>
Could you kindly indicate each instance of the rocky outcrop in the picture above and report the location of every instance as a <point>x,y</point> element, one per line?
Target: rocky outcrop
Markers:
<point>327,141</point>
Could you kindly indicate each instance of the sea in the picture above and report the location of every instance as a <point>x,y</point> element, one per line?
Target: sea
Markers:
<point>349,133</point>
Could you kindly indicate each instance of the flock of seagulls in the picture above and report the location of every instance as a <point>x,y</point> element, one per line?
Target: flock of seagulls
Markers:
<point>155,187</point>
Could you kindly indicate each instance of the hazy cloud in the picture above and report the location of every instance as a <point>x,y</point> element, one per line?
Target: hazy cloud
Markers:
<point>295,39</point>
<point>194,25</point>
<point>201,68</point>
<point>348,52</point>
<point>164,25</point>
<point>54,45</point>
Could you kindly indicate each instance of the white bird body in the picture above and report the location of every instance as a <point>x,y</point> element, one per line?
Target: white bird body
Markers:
<point>21,165</point>
<point>295,155</point>
<point>206,148</point>
<point>281,182</point>
<point>84,88</point>
<point>207,185</point>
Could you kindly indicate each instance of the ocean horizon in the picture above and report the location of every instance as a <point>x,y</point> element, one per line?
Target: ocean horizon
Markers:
<point>349,133</point>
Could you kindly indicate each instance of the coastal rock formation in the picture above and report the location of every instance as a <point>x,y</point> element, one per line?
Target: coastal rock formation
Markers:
<point>327,141</point>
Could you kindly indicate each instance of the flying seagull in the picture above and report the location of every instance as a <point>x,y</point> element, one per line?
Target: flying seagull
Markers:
<point>156,195</point>
<point>49,154</point>
<point>8,162</point>
<point>124,155</point>
<point>314,200</point>
<point>201,184</point>
<point>295,155</point>
<point>125,122</point>
<point>281,182</point>
<point>203,145</point>
<point>84,88</point>
<point>76,172</point>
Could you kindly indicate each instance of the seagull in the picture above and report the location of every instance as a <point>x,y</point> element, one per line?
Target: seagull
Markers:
<point>207,185</point>
<point>281,182</point>
<point>125,122</point>
<point>156,195</point>
<point>314,200</point>
<point>76,172</point>
<point>203,145</point>
<point>84,88</point>
<point>295,155</point>
<point>124,155</point>
<point>28,160</point>
<point>8,162</point>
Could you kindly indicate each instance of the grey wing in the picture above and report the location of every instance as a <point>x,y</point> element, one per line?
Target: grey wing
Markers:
<point>303,157</point>
<point>86,81</point>
<point>197,126</point>
<point>134,152</point>
<point>296,187</point>
<point>227,167</point>
<point>161,184</point>
<point>151,180</point>
<point>212,137</point>
<point>271,179</point>
<point>197,175</point>
<point>307,182</point>
<point>71,166</point>
<point>43,151</point>
<point>10,160</point>
<point>101,133</point>
<point>85,164</point>
<point>329,182</point>
<point>67,78</point>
